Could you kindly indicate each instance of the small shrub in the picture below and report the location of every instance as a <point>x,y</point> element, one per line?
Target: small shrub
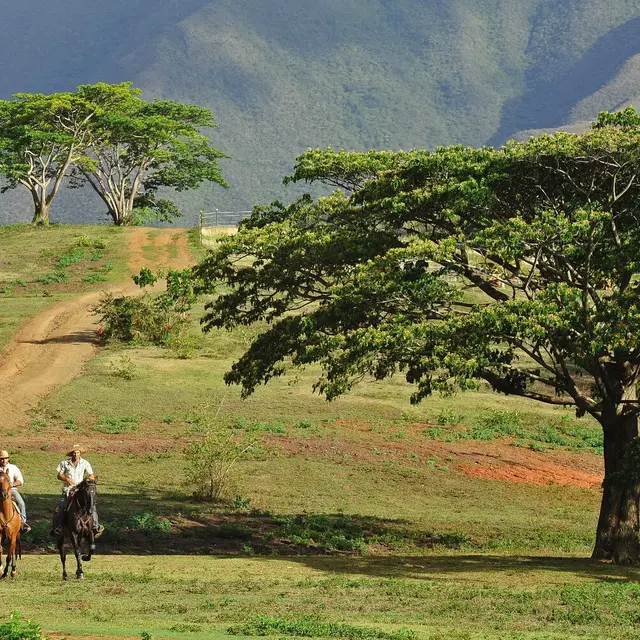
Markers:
<point>303,424</point>
<point>96,256</point>
<point>89,242</point>
<point>241,503</point>
<point>184,342</point>
<point>232,531</point>
<point>92,278</point>
<point>210,461</point>
<point>143,320</point>
<point>124,368</point>
<point>70,258</point>
<point>57,276</point>
<point>499,424</point>
<point>19,629</point>
<point>448,417</point>
<point>148,523</point>
<point>268,427</point>
<point>112,424</point>
<point>263,625</point>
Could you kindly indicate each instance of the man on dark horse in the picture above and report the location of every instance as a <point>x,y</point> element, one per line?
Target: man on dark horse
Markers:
<point>15,480</point>
<point>72,472</point>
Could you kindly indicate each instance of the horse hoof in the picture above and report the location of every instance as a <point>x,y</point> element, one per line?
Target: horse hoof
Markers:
<point>13,574</point>
<point>80,577</point>
<point>86,558</point>
<point>65,577</point>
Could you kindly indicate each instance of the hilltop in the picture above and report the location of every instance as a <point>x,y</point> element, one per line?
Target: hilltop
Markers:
<point>282,76</point>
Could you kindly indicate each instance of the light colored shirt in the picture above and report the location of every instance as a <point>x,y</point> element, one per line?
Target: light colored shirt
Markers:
<point>75,472</point>
<point>13,472</point>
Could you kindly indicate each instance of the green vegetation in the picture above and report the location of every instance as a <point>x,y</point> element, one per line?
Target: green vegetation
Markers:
<point>374,280</point>
<point>107,137</point>
<point>342,74</point>
<point>40,266</point>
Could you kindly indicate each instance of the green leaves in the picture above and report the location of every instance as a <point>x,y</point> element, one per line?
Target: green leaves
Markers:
<point>107,136</point>
<point>517,267</point>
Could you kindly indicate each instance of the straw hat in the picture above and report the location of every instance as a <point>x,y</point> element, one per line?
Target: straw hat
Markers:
<point>4,453</point>
<point>75,447</point>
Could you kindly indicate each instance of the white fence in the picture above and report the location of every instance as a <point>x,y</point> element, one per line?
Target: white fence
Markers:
<point>214,224</point>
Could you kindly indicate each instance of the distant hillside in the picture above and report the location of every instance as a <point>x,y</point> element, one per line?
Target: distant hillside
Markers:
<point>285,75</point>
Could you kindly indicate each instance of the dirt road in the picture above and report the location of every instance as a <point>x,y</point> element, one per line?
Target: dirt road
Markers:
<point>53,347</point>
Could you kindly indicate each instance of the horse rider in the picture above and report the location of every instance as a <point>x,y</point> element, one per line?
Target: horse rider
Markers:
<point>15,480</point>
<point>72,472</point>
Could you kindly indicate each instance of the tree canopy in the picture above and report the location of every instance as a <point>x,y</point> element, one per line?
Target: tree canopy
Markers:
<point>105,135</point>
<point>41,136</point>
<point>516,267</point>
<point>138,147</point>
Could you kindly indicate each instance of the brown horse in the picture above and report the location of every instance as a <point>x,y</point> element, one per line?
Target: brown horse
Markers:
<point>78,526</point>
<point>10,525</point>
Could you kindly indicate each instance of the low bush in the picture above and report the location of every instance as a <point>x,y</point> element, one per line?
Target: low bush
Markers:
<point>19,629</point>
<point>148,523</point>
<point>210,461</point>
<point>263,625</point>
<point>113,424</point>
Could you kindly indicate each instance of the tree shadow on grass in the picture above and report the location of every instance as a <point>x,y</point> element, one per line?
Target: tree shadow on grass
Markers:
<point>435,566</point>
<point>145,524</point>
<point>152,523</point>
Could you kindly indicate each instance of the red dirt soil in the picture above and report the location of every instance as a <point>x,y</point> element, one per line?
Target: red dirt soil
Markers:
<point>495,460</point>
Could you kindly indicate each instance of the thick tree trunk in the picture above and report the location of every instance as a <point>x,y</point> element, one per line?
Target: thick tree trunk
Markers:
<point>617,533</point>
<point>41,212</point>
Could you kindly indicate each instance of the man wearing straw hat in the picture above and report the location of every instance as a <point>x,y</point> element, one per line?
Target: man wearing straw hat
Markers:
<point>15,480</point>
<point>72,472</point>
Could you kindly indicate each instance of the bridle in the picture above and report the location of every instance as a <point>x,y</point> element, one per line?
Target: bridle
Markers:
<point>85,493</point>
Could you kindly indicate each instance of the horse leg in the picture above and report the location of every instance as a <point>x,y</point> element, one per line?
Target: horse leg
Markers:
<point>7,561</point>
<point>13,554</point>
<point>76,551</point>
<point>91,544</point>
<point>2,538</point>
<point>63,557</point>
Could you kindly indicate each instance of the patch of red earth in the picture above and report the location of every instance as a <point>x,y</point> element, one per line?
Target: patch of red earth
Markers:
<point>132,443</point>
<point>495,460</point>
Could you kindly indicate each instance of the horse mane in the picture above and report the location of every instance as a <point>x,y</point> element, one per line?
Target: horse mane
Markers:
<point>85,483</point>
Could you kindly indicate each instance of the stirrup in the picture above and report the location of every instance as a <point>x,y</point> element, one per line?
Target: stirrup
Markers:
<point>98,532</point>
<point>25,528</point>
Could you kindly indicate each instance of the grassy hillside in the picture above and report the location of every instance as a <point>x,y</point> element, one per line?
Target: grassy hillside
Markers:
<point>39,267</point>
<point>463,517</point>
<point>282,76</point>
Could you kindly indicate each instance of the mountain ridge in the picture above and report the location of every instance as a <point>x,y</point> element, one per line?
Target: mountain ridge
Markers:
<point>282,75</point>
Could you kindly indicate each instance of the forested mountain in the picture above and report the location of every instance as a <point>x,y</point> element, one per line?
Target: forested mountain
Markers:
<point>285,75</point>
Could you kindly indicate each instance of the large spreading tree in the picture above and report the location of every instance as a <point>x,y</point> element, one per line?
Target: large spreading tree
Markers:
<point>516,267</point>
<point>41,137</point>
<point>137,148</point>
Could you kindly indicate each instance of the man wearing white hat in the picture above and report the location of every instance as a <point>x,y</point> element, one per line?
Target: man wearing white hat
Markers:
<point>16,480</point>
<point>72,472</point>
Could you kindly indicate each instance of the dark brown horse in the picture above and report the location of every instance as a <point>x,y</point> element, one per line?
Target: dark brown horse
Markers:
<point>78,526</point>
<point>10,524</point>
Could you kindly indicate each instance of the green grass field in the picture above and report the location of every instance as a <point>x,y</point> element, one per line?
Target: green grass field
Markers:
<point>354,519</point>
<point>40,266</point>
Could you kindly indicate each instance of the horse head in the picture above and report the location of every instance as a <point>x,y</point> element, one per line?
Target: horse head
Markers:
<point>5,486</point>
<point>85,495</point>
